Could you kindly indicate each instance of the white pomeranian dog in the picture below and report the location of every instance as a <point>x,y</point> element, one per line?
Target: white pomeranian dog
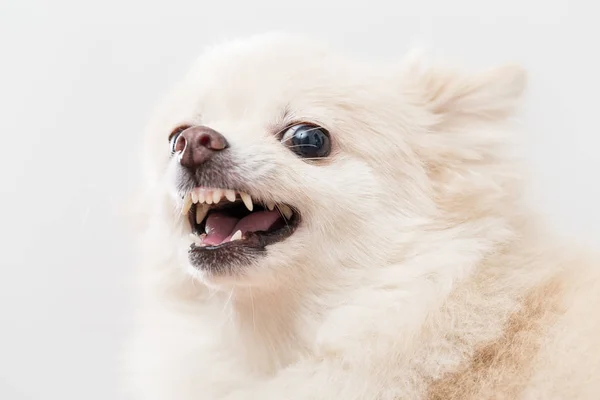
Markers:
<point>316,227</point>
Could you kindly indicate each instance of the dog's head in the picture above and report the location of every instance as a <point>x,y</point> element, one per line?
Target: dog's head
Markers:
<point>277,160</point>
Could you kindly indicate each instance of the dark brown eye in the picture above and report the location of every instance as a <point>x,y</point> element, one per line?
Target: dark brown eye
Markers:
<point>174,135</point>
<point>307,141</point>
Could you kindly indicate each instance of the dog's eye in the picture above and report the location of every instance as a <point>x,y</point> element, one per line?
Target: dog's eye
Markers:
<point>174,135</point>
<point>307,141</point>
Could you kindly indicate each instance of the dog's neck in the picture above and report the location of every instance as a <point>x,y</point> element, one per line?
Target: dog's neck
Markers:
<point>274,329</point>
<point>264,330</point>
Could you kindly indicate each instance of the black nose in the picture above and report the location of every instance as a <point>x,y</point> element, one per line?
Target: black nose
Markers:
<point>198,144</point>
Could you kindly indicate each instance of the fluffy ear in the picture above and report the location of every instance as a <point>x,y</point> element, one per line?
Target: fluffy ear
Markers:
<point>492,95</point>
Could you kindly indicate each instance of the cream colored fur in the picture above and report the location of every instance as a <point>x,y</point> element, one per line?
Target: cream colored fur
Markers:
<point>416,273</point>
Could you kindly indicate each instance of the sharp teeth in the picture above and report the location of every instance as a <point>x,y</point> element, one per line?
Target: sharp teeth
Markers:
<point>217,194</point>
<point>200,194</point>
<point>208,197</point>
<point>270,205</point>
<point>198,240</point>
<point>247,200</point>
<point>194,197</point>
<point>236,236</point>
<point>187,204</point>
<point>286,211</point>
<point>230,194</point>
<point>201,211</point>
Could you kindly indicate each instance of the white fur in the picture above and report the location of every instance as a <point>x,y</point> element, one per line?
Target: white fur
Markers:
<point>413,252</point>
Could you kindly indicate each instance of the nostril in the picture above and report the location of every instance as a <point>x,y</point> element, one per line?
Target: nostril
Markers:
<point>180,143</point>
<point>205,141</point>
<point>210,139</point>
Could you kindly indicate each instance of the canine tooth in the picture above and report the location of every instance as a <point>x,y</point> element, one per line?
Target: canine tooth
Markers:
<point>198,240</point>
<point>286,211</point>
<point>247,200</point>
<point>270,205</point>
<point>230,195</point>
<point>217,194</point>
<point>194,197</point>
<point>236,236</point>
<point>201,211</point>
<point>187,204</point>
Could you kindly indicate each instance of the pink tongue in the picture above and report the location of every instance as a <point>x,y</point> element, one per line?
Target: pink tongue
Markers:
<point>257,221</point>
<point>220,227</point>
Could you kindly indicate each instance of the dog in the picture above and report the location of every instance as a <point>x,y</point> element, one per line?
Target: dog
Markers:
<point>316,226</point>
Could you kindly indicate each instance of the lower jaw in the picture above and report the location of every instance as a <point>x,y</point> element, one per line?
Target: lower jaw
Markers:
<point>225,259</point>
<point>231,257</point>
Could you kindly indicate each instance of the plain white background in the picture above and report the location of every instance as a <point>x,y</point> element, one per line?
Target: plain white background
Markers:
<point>79,79</point>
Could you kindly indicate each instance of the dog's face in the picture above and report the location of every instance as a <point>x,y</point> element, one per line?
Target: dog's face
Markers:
<point>279,161</point>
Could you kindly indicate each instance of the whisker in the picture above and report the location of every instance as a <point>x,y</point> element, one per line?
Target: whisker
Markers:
<point>303,145</point>
<point>252,302</point>
<point>312,159</point>
<point>309,130</point>
<point>282,130</point>
<point>192,279</point>
<point>212,294</point>
<point>228,301</point>
<point>279,132</point>
<point>282,216</point>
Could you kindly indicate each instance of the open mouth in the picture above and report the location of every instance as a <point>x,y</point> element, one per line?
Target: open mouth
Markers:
<point>225,218</point>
